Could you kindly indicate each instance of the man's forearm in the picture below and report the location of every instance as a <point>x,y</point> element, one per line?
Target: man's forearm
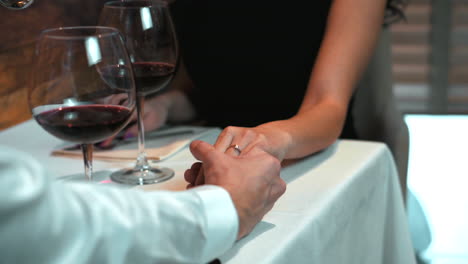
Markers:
<point>63,222</point>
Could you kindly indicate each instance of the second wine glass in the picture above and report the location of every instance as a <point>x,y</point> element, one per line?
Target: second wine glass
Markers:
<point>150,39</point>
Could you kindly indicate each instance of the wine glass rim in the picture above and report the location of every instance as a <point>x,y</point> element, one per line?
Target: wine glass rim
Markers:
<point>28,3</point>
<point>105,31</point>
<point>120,4</point>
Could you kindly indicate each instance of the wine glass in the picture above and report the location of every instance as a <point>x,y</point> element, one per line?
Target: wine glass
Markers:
<point>16,4</point>
<point>83,88</point>
<point>150,39</point>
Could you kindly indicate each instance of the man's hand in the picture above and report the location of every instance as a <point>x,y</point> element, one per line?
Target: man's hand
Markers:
<point>252,179</point>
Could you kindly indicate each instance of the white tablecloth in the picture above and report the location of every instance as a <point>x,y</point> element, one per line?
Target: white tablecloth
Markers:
<point>342,205</point>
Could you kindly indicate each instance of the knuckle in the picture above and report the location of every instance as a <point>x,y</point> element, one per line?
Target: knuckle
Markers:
<point>279,188</point>
<point>282,189</point>
<point>275,163</point>
<point>230,129</point>
<point>250,133</point>
<point>260,140</point>
<point>188,177</point>
<point>226,131</point>
<point>259,136</point>
<point>283,186</point>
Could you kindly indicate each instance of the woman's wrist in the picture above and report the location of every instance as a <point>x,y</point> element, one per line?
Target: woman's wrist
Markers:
<point>279,139</point>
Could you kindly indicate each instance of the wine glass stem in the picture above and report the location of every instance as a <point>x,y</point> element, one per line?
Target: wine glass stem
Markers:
<point>88,160</point>
<point>142,161</point>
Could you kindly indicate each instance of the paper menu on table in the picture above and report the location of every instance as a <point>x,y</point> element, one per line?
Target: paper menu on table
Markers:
<point>159,145</point>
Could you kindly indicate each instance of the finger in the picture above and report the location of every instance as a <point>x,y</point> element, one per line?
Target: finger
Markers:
<point>107,143</point>
<point>196,167</point>
<point>200,180</point>
<point>243,138</point>
<point>224,139</point>
<point>278,189</point>
<point>131,130</point>
<point>119,99</point>
<point>203,151</point>
<point>243,144</point>
<point>191,174</point>
<point>234,150</point>
<point>252,150</point>
<point>152,120</point>
<point>207,154</point>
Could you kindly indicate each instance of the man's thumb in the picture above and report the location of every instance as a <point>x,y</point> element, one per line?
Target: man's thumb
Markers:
<point>203,151</point>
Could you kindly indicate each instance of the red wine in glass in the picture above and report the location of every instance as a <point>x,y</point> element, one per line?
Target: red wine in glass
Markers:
<point>84,123</point>
<point>152,76</point>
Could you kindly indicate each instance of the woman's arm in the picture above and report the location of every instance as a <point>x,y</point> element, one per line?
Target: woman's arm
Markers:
<point>352,30</point>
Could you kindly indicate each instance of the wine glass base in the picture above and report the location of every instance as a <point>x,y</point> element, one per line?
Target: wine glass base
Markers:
<point>142,177</point>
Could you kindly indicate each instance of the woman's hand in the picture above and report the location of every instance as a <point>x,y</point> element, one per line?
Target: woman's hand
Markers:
<point>268,138</point>
<point>155,114</point>
<point>172,106</point>
<point>238,141</point>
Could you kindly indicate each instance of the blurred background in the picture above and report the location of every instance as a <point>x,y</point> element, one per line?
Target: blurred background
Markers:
<point>430,57</point>
<point>430,73</point>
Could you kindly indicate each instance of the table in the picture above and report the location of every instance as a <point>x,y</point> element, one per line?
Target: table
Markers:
<point>342,205</point>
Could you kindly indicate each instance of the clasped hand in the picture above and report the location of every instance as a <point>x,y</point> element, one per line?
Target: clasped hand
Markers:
<point>238,141</point>
<point>252,180</point>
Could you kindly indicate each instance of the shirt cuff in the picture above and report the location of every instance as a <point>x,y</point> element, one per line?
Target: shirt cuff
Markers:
<point>222,221</point>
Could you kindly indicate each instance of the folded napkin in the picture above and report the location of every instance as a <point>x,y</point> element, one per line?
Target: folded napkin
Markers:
<point>159,145</point>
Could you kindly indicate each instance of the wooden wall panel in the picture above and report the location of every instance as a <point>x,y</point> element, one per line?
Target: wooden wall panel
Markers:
<point>18,32</point>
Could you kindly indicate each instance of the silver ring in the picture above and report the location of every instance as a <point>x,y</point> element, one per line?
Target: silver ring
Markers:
<point>236,147</point>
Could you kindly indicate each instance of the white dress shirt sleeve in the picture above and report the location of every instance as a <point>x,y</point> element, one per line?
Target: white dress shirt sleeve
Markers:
<point>47,221</point>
